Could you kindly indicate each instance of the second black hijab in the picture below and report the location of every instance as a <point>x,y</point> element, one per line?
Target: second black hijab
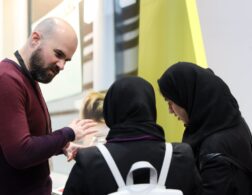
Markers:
<point>207,99</point>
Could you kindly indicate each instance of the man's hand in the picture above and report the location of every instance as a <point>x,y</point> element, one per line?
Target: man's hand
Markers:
<point>81,127</point>
<point>70,150</point>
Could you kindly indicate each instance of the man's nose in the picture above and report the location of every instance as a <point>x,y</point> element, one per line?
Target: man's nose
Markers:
<point>61,64</point>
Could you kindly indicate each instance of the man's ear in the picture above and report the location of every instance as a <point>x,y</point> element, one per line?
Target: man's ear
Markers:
<point>35,39</point>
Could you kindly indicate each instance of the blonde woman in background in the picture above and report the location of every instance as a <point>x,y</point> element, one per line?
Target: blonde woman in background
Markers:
<point>92,108</point>
<point>92,111</point>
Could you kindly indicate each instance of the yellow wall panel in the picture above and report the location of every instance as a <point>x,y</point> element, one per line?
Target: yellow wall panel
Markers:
<point>169,32</point>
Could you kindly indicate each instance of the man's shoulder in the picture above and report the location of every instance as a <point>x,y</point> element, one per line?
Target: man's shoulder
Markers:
<point>9,68</point>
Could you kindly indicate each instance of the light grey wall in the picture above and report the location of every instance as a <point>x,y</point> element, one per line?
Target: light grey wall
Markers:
<point>227,33</point>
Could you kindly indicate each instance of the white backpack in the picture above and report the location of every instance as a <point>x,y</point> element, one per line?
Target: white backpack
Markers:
<point>153,188</point>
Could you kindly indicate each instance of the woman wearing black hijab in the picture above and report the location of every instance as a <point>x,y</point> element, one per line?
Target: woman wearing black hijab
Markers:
<point>130,113</point>
<point>214,127</point>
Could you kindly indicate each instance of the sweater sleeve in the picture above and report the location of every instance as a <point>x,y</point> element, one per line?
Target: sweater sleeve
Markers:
<point>20,148</point>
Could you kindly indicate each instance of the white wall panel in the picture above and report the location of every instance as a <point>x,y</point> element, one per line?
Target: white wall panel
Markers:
<point>227,33</point>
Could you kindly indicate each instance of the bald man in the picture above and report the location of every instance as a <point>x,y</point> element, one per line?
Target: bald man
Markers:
<point>26,138</point>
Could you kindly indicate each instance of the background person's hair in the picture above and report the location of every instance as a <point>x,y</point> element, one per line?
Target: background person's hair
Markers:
<point>93,107</point>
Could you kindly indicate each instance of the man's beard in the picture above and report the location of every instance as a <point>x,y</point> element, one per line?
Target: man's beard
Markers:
<point>38,69</point>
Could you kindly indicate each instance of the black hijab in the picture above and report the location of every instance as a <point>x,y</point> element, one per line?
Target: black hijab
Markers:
<point>206,98</point>
<point>130,111</point>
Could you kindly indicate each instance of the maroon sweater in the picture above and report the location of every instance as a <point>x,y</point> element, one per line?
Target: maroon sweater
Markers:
<point>26,140</point>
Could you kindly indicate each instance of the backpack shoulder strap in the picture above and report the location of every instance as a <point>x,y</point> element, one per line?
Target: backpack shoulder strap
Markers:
<point>166,164</point>
<point>112,165</point>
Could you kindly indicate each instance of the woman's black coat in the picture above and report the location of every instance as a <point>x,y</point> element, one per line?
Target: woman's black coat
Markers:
<point>217,132</point>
